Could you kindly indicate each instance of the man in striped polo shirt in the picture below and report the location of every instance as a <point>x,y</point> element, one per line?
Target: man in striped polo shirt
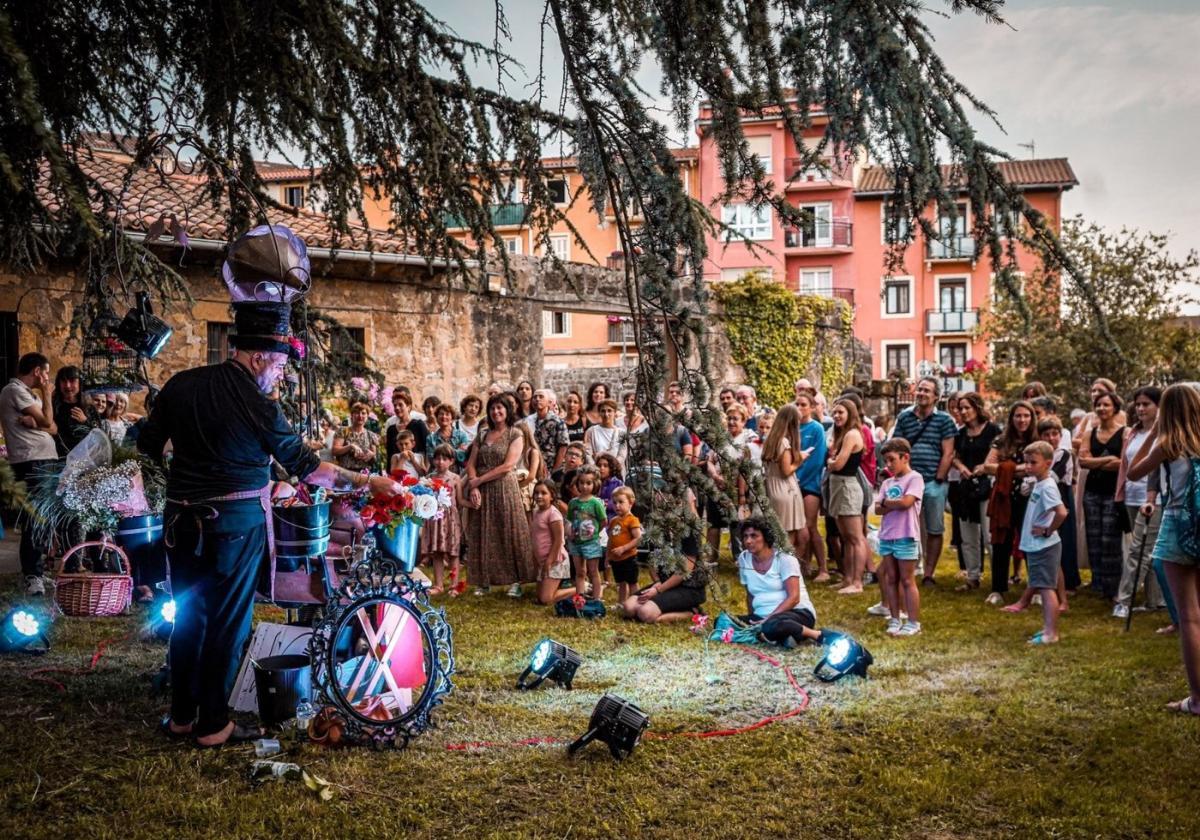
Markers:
<point>930,433</point>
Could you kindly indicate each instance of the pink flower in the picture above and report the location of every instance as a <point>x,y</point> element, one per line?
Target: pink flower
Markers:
<point>578,601</point>
<point>699,622</point>
<point>358,383</point>
<point>297,345</point>
<point>727,636</point>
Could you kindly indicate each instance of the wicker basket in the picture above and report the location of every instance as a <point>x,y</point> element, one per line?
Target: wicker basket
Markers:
<point>94,594</point>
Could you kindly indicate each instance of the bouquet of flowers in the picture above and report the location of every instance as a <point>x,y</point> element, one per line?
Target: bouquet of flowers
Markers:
<point>97,487</point>
<point>420,500</point>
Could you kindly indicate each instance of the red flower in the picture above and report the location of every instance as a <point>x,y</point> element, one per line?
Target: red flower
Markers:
<point>368,513</point>
<point>410,480</point>
<point>298,345</point>
<point>578,601</point>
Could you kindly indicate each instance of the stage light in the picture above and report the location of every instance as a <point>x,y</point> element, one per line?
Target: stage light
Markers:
<point>843,655</point>
<point>164,621</point>
<point>616,722</point>
<point>552,661</point>
<point>23,629</point>
<point>142,331</point>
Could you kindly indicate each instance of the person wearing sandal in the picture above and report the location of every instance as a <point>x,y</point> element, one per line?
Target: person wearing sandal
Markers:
<point>1173,443</point>
<point>225,430</point>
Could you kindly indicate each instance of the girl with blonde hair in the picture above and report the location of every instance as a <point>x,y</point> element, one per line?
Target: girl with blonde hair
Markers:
<point>782,456</point>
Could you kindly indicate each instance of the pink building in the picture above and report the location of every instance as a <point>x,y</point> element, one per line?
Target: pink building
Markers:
<point>928,312</point>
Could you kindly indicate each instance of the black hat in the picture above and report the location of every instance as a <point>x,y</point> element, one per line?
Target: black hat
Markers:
<point>265,326</point>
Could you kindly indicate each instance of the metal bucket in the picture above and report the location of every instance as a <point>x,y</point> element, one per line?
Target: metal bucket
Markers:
<point>301,530</point>
<point>134,532</point>
<point>402,545</point>
<point>280,683</point>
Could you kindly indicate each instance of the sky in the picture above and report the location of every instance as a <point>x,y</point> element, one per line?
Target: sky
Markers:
<point>1112,85</point>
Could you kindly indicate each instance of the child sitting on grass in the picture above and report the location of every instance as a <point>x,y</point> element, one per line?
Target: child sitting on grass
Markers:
<point>549,544</point>
<point>587,518</point>
<point>1039,537</point>
<point>624,534</point>
<point>899,502</point>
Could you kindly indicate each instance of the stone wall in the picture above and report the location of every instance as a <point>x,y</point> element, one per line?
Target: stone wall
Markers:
<point>618,379</point>
<point>440,334</point>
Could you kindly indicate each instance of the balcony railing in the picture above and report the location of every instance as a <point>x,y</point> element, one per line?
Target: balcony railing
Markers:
<point>836,292</point>
<point>951,320</point>
<point>950,384</point>
<point>620,332</point>
<point>838,233</point>
<point>797,172</point>
<point>951,248</point>
<point>503,215</point>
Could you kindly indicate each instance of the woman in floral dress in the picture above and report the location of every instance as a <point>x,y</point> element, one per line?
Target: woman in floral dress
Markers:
<point>499,549</point>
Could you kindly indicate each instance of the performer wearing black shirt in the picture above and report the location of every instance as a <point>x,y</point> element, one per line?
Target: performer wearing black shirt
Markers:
<point>225,430</point>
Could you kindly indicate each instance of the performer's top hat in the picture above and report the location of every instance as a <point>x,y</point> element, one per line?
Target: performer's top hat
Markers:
<point>265,326</point>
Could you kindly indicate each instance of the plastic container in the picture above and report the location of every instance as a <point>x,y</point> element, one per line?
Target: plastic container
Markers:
<point>301,530</point>
<point>281,683</point>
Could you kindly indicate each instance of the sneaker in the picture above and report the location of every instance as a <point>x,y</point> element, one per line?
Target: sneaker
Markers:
<point>514,591</point>
<point>893,626</point>
<point>909,628</point>
<point>1120,611</point>
<point>995,599</point>
<point>968,586</point>
<point>879,609</point>
<point>480,591</point>
<point>1036,600</point>
<point>870,579</point>
<point>34,586</point>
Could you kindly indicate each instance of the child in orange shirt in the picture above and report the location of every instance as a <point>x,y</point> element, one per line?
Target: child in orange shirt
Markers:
<point>624,534</point>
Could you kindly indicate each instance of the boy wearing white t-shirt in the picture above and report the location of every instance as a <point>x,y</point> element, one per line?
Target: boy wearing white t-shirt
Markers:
<point>1039,537</point>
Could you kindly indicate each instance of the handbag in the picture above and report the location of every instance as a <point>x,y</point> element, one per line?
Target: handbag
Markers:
<point>977,488</point>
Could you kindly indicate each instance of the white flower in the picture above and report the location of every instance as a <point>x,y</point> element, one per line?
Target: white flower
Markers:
<point>443,498</point>
<point>425,507</point>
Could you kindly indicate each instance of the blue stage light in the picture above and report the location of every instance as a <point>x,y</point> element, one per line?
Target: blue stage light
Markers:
<point>23,629</point>
<point>843,655</point>
<point>552,661</point>
<point>167,613</point>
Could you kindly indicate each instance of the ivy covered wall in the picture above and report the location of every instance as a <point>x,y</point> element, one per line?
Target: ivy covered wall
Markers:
<point>777,337</point>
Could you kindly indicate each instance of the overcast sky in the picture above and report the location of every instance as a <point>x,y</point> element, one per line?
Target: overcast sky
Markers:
<point>1113,85</point>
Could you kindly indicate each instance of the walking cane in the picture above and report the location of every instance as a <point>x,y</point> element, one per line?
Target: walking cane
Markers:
<point>1137,575</point>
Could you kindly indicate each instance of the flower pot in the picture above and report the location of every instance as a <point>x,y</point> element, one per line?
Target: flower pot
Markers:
<point>401,546</point>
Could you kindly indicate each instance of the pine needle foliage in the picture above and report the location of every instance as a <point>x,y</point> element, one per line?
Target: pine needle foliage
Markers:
<point>391,104</point>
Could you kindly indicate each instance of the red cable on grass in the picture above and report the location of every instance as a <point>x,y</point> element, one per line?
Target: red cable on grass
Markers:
<point>653,736</point>
<point>97,655</point>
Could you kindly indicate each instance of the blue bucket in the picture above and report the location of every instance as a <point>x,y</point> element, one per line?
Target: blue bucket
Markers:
<point>402,545</point>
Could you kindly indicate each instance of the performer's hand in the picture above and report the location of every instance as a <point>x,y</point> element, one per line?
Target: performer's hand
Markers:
<point>384,485</point>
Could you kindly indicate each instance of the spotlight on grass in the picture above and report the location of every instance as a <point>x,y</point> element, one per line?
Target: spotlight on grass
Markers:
<point>24,629</point>
<point>163,620</point>
<point>616,722</point>
<point>843,655</point>
<point>552,661</point>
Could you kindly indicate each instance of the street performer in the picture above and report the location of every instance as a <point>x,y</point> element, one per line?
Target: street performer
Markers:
<point>224,430</point>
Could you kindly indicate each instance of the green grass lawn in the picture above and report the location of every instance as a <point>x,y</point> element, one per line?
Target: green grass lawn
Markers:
<point>963,731</point>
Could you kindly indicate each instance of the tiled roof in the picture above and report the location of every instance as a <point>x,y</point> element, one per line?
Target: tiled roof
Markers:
<point>1047,172</point>
<point>274,172</point>
<point>148,198</point>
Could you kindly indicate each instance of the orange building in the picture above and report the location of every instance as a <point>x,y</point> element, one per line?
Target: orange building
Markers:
<point>926,314</point>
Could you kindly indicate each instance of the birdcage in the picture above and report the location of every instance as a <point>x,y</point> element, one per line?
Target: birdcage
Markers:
<point>108,364</point>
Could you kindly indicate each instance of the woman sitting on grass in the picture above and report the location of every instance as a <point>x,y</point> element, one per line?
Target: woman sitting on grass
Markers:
<point>775,593</point>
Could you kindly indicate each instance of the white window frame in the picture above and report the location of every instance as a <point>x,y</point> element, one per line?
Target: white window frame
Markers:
<point>303,196</point>
<point>885,344</point>
<point>992,285</point>
<point>941,279</point>
<point>883,284</point>
<point>560,246</point>
<point>548,331</point>
<point>963,218</point>
<point>825,269</point>
<point>815,208</point>
<point>566,190</point>
<point>755,223</point>
<point>513,244</point>
<point>513,191</point>
<point>732,275</point>
<point>766,159</point>
<point>883,217</point>
<point>937,352</point>
<point>1018,221</point>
